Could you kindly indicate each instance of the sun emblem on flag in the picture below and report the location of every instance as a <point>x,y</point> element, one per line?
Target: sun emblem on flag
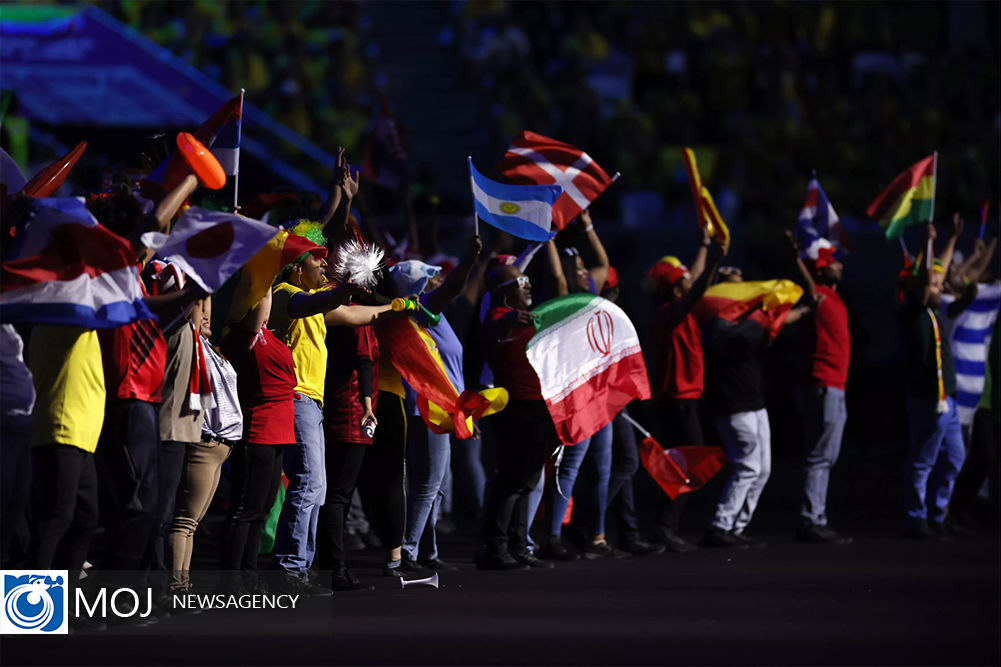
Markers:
<point>510,207</point>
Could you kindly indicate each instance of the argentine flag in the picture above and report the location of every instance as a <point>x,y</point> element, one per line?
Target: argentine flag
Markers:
<point>525,211</point>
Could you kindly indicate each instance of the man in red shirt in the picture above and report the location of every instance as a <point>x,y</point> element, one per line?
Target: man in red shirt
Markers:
<point>822,397</point>
<point>679,379</point>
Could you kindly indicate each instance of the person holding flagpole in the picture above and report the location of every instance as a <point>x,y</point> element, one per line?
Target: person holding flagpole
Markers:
<point>679,365</point>
<point>936,453</point>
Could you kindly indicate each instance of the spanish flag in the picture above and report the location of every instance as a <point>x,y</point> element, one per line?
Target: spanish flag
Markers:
<point>909,199</point>
<point>766,302</point>
<point>414,354</point>
<point>705,208</point>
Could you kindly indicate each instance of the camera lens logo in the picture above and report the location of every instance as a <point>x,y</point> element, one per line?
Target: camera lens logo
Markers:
<point>34,602</point>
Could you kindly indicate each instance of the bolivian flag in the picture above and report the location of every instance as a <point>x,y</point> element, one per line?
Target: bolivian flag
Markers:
<point>414,354</point>
<point>909,199</point>
<point>766,302</point>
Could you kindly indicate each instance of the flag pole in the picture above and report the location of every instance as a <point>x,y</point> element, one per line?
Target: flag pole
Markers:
<point>239,132</point>
<point>646,433</point>
<point>476,220</point>
<point>934,185</point>
<point>616,176</point>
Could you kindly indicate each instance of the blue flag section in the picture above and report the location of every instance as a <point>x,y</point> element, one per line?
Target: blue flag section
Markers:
<point>525,211</point>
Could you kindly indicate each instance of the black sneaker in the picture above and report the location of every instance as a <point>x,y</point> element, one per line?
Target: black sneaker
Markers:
<point>939,529</point>
<point>748,541</point>
<point>501,561</point>
<point>529,559</point>
<point>920,531</point>
<point>721,539</point>
<point>342,580</point>
<point>674,542</point>
<point>437,565</point>
<point>600,550</point>
<point>640,547</point>
<point>296,586</point>
<point>815,534</point>
<point>408,566</point>
<point>554,549</point>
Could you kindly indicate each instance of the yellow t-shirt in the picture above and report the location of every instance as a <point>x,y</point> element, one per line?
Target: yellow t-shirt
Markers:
<point>69,380</point>
<point>305,337</point>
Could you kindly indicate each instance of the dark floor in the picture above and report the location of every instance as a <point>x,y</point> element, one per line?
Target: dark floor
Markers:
<point>877,601</point>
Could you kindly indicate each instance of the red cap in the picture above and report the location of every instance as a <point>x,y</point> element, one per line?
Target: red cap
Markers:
<point>613,278</point>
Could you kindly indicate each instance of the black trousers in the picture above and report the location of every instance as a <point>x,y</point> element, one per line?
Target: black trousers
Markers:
<point>381,482</point>
<point>981,462</point>
<point>128,458</point>
<point>15,483</point>
<point>625,463</point>
<point>172,454</point>
<point>684,428</point>
<point>525,437</point>
<point>256,472</point>
<point>344,463</point>
<point>64,508</point>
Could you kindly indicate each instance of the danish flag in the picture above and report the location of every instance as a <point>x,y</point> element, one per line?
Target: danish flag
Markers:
<point>534,159</point>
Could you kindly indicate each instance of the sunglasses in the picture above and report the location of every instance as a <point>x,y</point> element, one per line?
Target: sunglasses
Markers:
<point>522,281</point>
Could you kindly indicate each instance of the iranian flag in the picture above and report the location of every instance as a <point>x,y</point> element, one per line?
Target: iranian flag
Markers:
<point>588,359</point>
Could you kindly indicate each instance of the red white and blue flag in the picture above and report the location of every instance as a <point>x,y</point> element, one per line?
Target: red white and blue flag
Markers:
<point>221,133</point>
<point>385,162</point>
<point>818,219</point>
<point>534,159</point>
<point>67,269</point>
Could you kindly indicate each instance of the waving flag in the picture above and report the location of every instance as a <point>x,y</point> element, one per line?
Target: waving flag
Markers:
<point>766,302</point>
<point>908,200</point>
<point>817,218</point>
<point>525,211</point>
<point>413,353</point>
<point>588,359</point>
<point>705,208</point>
<point>172,171</point>
<point>210,246</point>
<point>69,270</point>
<point>534,159</point>
<point>385,162</point>
<point>970,340</point>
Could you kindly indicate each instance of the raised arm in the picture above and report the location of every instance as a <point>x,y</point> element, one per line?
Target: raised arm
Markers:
<point>452,286</point>
<point>334,192</point>
<point>804,273</point>
<point>165,211</point>
<point>946,256</point>
<point>599,272</point>
<point>699,265</point>
<point>974,272</point>
<point>556,269</point>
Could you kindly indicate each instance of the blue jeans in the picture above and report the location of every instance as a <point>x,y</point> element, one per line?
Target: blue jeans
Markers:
<point>600,445</point>
<point>747,440</point>
<point>934,459</point>
<point>824,416</point>
<point>295,534</point>
<point>428,457</point>
<point>468,477</point>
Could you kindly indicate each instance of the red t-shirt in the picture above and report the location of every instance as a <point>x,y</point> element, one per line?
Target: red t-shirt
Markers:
<point>342,407</point>
<point>265,382</point>
<point>829,346</point>
<point>134,357</point>
<point>507,359</point>
<point>680,367</point>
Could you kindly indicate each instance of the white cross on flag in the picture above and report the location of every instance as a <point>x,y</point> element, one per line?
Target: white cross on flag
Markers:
<point>534,159</point>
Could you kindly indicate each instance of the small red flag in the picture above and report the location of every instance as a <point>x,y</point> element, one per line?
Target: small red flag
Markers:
<point>680,469</point>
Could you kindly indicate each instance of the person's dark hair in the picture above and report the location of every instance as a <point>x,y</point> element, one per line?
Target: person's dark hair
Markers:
<point>568,260</point>
<point>116,209</point>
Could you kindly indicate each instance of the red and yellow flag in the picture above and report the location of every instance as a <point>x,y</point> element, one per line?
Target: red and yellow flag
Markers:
<point>414,354</point>
<point>705,208</point>
<point>767,302</point>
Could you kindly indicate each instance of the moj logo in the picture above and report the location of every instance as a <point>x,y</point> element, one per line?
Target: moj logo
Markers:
<point>34,602</point>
